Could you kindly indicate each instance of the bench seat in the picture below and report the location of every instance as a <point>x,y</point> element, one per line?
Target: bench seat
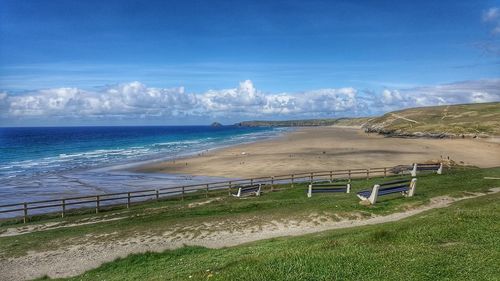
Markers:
<point>404,186</point>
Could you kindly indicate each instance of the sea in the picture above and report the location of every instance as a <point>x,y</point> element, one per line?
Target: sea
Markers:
<point>42,163</point>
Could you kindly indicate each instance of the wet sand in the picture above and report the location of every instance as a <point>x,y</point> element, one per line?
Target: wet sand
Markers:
<point>327,148</point>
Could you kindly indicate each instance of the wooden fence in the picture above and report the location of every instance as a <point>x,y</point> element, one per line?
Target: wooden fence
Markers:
<point>125,198</point>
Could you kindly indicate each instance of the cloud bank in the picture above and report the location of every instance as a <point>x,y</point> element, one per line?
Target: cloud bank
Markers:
<point>134,100</point>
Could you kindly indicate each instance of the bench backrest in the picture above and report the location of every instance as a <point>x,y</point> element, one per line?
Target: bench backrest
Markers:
<point>404,186</point>
<point>246,189</point>
<point>328,187</point>
<point>438,167</point>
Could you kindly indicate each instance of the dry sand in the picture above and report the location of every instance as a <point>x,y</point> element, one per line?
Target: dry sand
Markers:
<point>85,255</point>
<point>327,148</point>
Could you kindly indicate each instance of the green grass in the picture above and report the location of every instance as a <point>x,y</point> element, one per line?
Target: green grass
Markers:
<point>479,118</point>
<point>158,217</point>
<point>461,242</point>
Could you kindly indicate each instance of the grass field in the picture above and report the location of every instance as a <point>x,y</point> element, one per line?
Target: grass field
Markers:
<point>475,119</point>
<point>456,243</point>
<point>338,254</point>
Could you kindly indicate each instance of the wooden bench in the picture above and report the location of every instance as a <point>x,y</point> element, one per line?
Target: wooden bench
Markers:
<point>427,167</point>
<point>404,186</point>
<point>328,187</point>
<point>245,190</point>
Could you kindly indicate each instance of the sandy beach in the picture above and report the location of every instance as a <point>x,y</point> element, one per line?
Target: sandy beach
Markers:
<point>327,148</point>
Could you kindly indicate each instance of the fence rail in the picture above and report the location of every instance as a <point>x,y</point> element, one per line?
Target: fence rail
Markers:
<point>125,198</point>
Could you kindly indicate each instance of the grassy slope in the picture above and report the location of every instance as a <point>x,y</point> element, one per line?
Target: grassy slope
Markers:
<point>159,217</point>
<point>481,118</point>
<point>457,243</point>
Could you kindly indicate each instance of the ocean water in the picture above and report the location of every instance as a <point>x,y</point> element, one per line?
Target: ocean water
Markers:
<point>50,163</point>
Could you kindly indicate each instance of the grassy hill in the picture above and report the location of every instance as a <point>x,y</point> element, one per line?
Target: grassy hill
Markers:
<point>481,119</point>
<point>459,242</point>
<point>455,243</point>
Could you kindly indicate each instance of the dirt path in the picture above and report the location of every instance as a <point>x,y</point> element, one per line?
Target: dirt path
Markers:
<point>79,258</point>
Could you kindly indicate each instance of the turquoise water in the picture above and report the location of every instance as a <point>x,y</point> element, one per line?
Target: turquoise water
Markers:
<point>46,163</point>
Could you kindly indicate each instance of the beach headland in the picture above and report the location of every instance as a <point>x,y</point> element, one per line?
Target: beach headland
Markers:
<point>327,148</point>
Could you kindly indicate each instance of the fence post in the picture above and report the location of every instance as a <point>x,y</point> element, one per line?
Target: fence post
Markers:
<point>349,171</point>
<point>272,183</point>
<point>63,208</point>
<point>157,194</point>
<point>331,176</point>
<point>206,193</point>
<point>25,209</point>
<point>251,181</point>
<point>367,174</point>
<point>312,178</point>
<point>229,188</point>
<point>182,195</point>
<point>385,172</point>
<point>97,203</point>
<point>128,200</point>
<point>292,180</point>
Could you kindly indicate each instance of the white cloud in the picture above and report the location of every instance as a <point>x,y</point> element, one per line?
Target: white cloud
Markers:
<point>128,100</point>
<point>492,15</point>
<point>137,101</point>
<point>246,100</point>
<point>454,93</point>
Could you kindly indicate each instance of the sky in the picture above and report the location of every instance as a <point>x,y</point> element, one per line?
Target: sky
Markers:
<point>68,62</point>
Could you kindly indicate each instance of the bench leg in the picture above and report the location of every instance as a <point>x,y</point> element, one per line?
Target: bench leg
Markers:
<point>413,186</point>
<point>258,191</point>
<point>440,170</point>
<point>414,170</point>
<point>309,192</point>
<point>374,194</point>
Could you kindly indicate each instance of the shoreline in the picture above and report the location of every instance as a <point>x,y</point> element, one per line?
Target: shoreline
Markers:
<point>327,147</point>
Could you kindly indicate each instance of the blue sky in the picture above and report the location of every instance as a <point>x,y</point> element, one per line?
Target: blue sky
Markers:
<point>288,48</point>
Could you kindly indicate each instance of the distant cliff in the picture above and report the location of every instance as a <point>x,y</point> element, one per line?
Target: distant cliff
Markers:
<point>305,123</point>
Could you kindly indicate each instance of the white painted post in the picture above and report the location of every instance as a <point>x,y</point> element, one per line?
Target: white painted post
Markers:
<point>258,191</point>
<point>348,188</point>
<point>414,170</point>
<point>374,195</point>
<point>309,192</point>
<point>413,186</point>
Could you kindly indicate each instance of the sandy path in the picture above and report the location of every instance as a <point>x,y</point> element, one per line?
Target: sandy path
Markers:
<point>325,148</point>
<point>84,256</point>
